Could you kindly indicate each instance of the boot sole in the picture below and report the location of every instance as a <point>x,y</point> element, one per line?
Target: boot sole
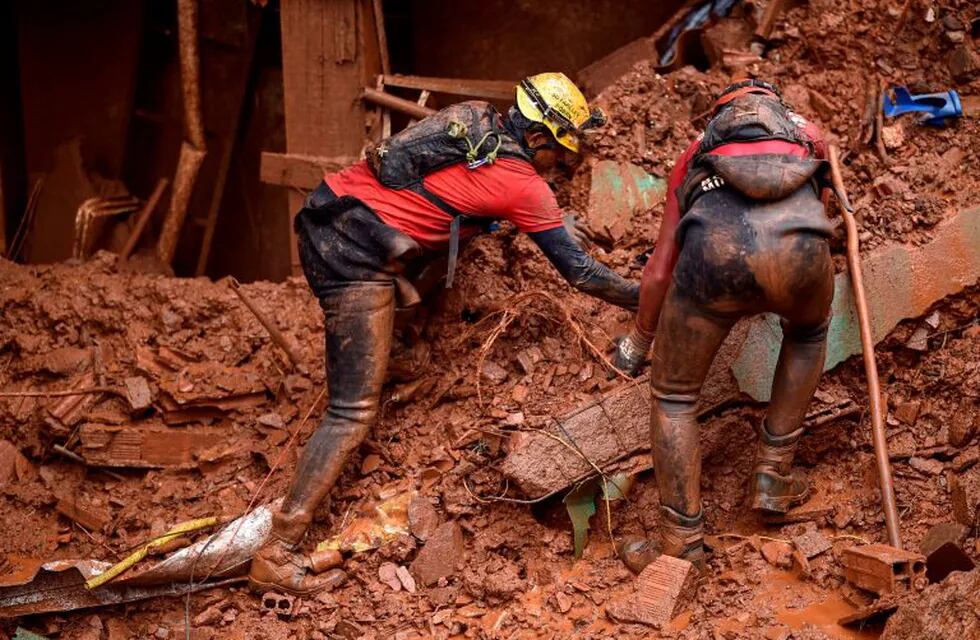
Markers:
<point>774,507</point>
<point>259,587</point>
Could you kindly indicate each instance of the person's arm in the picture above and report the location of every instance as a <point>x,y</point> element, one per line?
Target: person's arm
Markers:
<point>583,272</point>
<point>631,350</point>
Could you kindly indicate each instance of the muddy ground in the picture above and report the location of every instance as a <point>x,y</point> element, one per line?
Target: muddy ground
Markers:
<point>210,366</point>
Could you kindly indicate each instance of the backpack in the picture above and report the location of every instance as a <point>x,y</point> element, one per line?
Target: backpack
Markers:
<point>751,118</point>
<point>469,132</point>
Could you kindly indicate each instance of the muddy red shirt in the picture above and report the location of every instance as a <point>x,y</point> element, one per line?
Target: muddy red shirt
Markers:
<point>660,266</point>
<point>509,189</point>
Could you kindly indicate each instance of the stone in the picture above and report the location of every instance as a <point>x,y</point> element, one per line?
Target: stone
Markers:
<point>950,609</point>
<point>405,578</point>
<point>211,615</point>
<point>893,136</point>
<point>440,556</point>
<point>812,543</point>
<point>907,412</point>
<point>964,63</point>
<point>422,518</point>
<point>388,574</point>
<point>964,424</point>
<point>138,393</point>
<point>662,591</point>
<point>964,492</point>
<point>942,547</point>
<point>14,467</point>
<point>778,554</point>
<point>493,372</point>
<point>636,552</point>
<point>928,466</point>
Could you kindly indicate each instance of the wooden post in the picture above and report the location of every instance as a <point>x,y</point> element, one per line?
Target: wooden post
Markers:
<point>329,52</point>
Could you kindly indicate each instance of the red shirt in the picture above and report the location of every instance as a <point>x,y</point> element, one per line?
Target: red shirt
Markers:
<point>660,267</point>
<point>508,189</point>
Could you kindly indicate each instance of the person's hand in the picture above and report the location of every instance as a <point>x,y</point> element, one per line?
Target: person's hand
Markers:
<point>630,355</point>
<point>578,229</point>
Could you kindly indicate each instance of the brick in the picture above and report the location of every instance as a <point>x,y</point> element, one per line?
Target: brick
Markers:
<point>662,591</point>
<point>812,543</point>
<point>777,553</point>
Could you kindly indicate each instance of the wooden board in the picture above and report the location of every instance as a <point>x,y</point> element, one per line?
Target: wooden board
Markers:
<point>144,446</point>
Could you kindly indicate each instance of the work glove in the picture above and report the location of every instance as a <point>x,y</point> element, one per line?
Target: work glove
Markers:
<point>631,353</point>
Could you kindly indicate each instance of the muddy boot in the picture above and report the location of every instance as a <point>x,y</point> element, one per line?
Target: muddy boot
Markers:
<point>280,566</point>
<point>682,536</point>
<point>637,552</point>
<point>775,488</point>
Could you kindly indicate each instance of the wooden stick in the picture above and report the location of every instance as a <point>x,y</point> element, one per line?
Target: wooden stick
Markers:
<point>143,218</point>
<point>274,332</point>
<point>885,482</point>
<point>379,26</point>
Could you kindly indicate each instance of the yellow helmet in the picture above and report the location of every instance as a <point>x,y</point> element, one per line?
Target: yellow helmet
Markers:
<point>554,101</point>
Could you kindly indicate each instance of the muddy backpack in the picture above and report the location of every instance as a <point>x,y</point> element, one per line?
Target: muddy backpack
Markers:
<point>765,177</point>
<point>468,132</point>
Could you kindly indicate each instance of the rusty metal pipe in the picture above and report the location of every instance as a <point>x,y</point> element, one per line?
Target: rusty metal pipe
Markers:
<point>395,103</point>
<point>885,482</point>
<point>143,218</point>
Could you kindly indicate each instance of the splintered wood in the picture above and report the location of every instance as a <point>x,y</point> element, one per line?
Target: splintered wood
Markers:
<point>144,446</point>
<point>662,590</point>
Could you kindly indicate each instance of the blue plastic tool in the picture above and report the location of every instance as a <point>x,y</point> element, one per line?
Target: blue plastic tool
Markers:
<point>937,107</point>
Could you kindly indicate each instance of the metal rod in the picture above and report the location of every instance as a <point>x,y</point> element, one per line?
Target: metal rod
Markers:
<point>885,482</point>
<point>397,104</point>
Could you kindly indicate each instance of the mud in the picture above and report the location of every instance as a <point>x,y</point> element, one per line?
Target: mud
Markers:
<point>454,396</point>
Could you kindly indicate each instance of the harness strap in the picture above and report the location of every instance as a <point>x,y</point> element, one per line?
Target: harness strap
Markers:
<point>458,219</point>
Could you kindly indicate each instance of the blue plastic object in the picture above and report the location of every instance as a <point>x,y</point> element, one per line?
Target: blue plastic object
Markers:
<point>937,107</point>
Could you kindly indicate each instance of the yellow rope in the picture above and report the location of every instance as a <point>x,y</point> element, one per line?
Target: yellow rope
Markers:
<point>139,554</point>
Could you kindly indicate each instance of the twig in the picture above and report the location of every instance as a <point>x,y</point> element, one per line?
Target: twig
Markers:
<point>500,498</point>
<point>264,320</point>
<point>60,393</point>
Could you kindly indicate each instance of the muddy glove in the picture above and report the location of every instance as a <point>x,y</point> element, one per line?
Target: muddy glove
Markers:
<point>631,352</point>
<point>578,229</point>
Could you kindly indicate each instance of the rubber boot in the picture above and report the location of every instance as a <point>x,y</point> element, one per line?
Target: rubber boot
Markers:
<point>775,488</point>
<point>280,566</point>
<point>358,319</point>
<point>682,536</point>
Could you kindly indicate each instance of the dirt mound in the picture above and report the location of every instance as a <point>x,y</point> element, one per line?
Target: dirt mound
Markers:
<point>947,610</point>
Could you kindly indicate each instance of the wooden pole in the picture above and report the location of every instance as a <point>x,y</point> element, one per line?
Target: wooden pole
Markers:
<point>143,218</point>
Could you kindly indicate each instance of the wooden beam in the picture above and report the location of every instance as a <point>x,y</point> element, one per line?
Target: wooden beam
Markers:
<point>407,107</point>
<point>298,170</point>
<point>325,67</point>
<point>489,89</point>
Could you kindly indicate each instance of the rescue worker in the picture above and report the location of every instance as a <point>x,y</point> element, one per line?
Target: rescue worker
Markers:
<point>437,182</point>
<point>744,231</point>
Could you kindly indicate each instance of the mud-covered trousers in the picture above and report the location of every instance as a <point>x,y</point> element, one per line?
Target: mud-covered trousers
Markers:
<point>738,257</point>
<point>350,259</point>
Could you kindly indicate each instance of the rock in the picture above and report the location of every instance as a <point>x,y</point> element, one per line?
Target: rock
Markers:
<point>929,466</point>
<point>812,543</point>
<point>388,574</point>
<point>964,492</point>
<point>963,425</point>
<point>422,518</point>
<point>637,552</point>
<point>441,555</point>
<point>14,467</point>
<point>950,609</point>
<point>893,136</point>
<point>272,420</point>
<point>943,551</point>
<point>405,578</point>
<point>663,589</point>
<point>211,615</point>
<point>138,393</point>
<point>493,372</point>
<point>907,412</point>
<point>964,63</point>
<point>563,602</point>
<point>321,561</point>
<point>778,554</point>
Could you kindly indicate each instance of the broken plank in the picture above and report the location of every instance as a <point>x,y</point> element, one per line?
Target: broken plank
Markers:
<point>503,90</point>
<point>144,446</point>
<point>298,170</point>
